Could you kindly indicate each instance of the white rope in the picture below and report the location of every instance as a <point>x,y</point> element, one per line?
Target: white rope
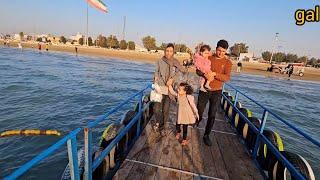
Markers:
<point>172,169</point>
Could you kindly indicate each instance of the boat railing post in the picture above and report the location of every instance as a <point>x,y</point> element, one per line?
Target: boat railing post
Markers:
<point>236,99</point>
<point>139,114</point>
<point>261,129</point>
<point>73,158</point>
<point>87,154</point>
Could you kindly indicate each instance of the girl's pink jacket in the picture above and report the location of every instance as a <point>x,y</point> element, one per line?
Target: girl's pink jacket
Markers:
<point>202,64</point>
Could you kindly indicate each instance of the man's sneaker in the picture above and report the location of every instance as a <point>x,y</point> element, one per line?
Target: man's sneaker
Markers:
<point>206,140</point>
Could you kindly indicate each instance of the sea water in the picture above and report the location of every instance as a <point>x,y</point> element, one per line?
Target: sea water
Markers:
<point>62,91</point>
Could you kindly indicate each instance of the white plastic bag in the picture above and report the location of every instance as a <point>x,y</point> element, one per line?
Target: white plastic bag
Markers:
<point>155,97</point>
<point>155,94</point>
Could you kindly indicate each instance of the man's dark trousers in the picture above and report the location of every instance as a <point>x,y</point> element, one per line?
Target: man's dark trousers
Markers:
<point>214,98</point>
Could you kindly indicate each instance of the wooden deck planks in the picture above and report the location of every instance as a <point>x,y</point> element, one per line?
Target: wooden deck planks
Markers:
<point>226,159</point>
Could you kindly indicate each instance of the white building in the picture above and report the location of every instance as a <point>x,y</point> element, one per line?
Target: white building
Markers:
<point>17,37</point>
<point>140,48</point>
<point>246,57</point>
<point>76,37</point>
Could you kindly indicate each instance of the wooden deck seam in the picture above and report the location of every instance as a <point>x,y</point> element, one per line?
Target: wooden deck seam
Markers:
<point>216,131</point>
<point>172,169</point>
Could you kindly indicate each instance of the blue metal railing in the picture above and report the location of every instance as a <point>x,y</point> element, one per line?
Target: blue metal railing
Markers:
<point>260,134</point>
<point>71,140</point>
<point>72,154</point>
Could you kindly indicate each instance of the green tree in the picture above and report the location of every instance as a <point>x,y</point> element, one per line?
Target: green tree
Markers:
<point>163,46</point>
<point>21,34</point>
<point>149,43</point>
<point>90,41</point>
<point>80,41</point>
<point>266,55</point>
<point>112,42</point>
<point>101,41</point>
<point>131,45</point>
<point>279,57</point>
<point>291,57</point>
<point>312,62</point>
<point>180,48</point>
<point>303,59</point>
<point>123,44</point>
<point>39,39</point>
<point>63,39</point>
<point>238,48</point>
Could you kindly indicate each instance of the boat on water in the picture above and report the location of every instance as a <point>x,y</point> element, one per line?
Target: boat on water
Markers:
<point>243,147</point>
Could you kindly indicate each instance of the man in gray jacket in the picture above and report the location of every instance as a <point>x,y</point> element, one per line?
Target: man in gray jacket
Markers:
<point>167,67</point>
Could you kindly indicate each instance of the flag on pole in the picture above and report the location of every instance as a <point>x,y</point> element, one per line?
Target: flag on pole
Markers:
<point>98,4</point>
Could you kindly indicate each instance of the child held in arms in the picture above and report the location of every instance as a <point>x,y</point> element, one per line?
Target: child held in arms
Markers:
<point>203,64</point>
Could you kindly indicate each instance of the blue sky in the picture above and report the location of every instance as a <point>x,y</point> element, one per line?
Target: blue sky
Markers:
<point>181,21</point>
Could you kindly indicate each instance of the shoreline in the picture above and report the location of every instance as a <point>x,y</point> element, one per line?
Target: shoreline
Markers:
<point>311,74</point>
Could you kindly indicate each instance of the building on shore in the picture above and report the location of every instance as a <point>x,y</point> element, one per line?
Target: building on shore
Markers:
<point>74,39</point>
<point>53,39</point>
<point>249,57</point>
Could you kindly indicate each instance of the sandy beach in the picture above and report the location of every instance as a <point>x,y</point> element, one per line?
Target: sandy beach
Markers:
<point>311,74</point>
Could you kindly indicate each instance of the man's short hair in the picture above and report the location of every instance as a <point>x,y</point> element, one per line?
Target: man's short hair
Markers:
<point>170,45</point>
<point>223,43</point>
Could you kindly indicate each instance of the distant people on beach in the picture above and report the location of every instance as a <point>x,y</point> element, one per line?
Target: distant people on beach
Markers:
<point>166,68</point>
<point>289,69</point>
<point>47,47</point>
<point>221,69</point>
<point>76,49</point>
<point>19,46</point>
<point>39,46</point>
<point>187,110</point>
<point>239,66</point>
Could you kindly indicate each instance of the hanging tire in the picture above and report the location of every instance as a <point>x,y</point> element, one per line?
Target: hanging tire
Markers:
<point>126,120</point>
<point>280,172</point>
<point>227,104</point>
<point>265,157</point>
<point>239,121</point>
<point>248,133</point>
<point>223,99</point>
<point>232,112</point>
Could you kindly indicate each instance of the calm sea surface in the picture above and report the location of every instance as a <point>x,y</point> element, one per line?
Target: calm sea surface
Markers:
<point>51,90</point>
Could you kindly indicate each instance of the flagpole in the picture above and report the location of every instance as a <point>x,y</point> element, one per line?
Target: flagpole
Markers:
<point>87,23</point>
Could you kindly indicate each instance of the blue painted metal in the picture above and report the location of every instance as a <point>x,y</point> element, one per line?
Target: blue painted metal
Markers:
<point>88,153</point>
<point>73,158</point>
<point>261,137</point>
<point>236,99</point>
<point>263,124</point>
<point>139,119</point>
<point>42,155</point>
<point>115,109</point>
<point>291,125</point>
<point>71,138</point>
<point>114,142</point>
<point>91,166</point>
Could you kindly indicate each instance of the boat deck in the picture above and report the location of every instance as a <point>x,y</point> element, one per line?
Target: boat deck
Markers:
<point>156,157</point>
